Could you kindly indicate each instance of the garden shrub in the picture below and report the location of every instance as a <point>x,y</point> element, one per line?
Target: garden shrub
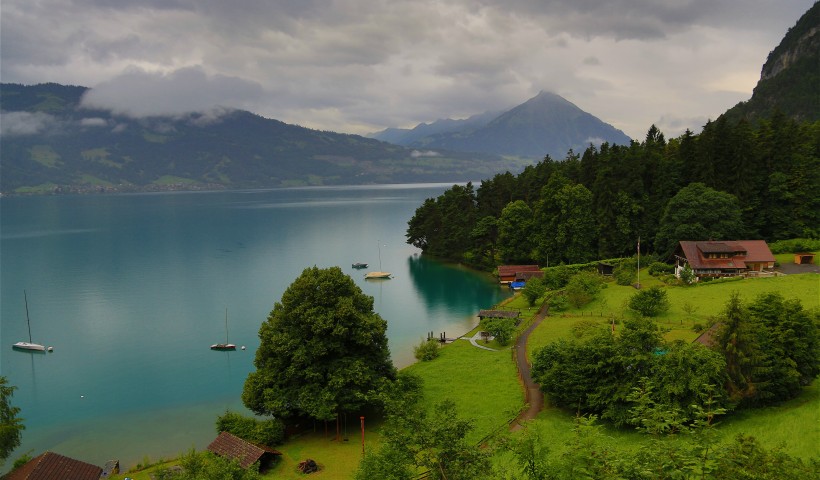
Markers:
<point>503,329</point>
<point>626,271</point>
<point>558,303</point>
<point>650,302</point>
<point>427,350</point>
<point>659,268</point>
<point>583,287</point>
<point>269,432</point>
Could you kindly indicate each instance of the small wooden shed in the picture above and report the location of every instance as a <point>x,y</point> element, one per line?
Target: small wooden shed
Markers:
<point>52,466</point>
<point>510,273</point>
<point>230,446</point>
<point>804,258</point>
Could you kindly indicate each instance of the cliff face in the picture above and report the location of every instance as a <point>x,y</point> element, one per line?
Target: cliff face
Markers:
<point>790,78</point>
<point>806,45</point>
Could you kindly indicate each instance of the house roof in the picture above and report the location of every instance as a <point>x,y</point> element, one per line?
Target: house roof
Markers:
<point>231,446</point>
<point>508,270</point>
<point>741,251</point>
<point>53,466</point>
<point>707,337</point>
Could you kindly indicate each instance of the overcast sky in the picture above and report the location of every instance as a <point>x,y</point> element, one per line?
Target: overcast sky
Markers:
<point>358,66</point>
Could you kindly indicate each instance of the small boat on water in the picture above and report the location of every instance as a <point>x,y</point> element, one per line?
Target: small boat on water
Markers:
<point>359,265</point>
<point>226,345</point>
<point>374,275</point>
<point>379,274</point>
<point>30,345</point>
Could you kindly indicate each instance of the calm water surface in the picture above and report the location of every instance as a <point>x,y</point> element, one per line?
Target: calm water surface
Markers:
<point>131,290</point>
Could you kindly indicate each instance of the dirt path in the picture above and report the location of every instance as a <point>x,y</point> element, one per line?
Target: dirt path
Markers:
<point>534,397</point>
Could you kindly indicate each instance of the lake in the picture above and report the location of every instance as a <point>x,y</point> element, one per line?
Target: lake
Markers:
<point>131,290</point>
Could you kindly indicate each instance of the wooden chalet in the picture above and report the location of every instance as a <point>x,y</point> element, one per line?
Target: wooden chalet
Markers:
<point>512,273</point>
<point>53,466</point>
<point>230,446</point>
<point>724,259</point>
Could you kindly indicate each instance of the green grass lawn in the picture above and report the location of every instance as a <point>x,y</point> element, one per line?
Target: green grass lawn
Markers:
<point>704,301</point>
<point>483,384</point>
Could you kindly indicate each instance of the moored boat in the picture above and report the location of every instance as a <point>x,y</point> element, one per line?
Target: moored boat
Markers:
<point>30,345</point>
<point>226,345</point>
<point>374,275</point>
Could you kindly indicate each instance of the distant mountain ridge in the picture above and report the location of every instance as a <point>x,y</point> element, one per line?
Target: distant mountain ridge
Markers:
<point>546,124</point>
<point>51,144</point>
<point>790,79</point>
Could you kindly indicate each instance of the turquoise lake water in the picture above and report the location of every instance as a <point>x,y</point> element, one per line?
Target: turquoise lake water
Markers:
<point>131,290</point>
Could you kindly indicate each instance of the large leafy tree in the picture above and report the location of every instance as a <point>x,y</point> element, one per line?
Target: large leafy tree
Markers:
<point>11,426</point>
<point>698,212</point>
<point>323,348</point>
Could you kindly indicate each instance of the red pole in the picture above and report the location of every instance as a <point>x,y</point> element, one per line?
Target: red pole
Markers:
<point>362,419</point>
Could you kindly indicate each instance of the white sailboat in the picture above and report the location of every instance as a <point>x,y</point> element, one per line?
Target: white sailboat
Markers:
<point>226,345</point>
<point>379,274</point>
<point>30,345</point>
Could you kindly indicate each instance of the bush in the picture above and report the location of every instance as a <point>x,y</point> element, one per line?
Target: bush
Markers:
<point>533,290</point>
<point>583,287</point>
<point>558,302</point>
<point>427,350</point>
<point>503,329</point>
<point>659,268</point>
<point>626,272</point>
<point>795,245</point>
<point>263,432</point>
<point>650,302</point>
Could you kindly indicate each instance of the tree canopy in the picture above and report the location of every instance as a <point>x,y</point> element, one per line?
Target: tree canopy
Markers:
<point>11,426</point>
<point>731,180</point>
<point>323,349</point>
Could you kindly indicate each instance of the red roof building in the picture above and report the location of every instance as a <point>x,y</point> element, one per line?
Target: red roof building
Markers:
<point>53,466</point>
<point>723,259</point>
<point>230,446</point>
<point>511,273</point>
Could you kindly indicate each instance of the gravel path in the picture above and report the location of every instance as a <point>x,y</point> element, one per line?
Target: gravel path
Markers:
<point>534,396</point>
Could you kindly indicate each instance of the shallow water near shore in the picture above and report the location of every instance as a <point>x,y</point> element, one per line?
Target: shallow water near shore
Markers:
<point>131,290</point>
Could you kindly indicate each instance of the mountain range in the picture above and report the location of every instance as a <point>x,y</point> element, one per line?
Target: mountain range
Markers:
<point>51,143</point>
<point>546,124</point>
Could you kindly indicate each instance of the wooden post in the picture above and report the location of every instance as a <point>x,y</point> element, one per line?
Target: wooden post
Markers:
<point>362,419</point>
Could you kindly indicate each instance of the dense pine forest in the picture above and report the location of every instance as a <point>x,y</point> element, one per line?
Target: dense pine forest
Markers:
<point>733,180</point>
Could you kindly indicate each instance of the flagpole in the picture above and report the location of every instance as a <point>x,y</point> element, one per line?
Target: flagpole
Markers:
<point>639,263</point>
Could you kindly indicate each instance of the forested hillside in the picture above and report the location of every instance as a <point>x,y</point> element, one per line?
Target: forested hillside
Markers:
<point>733,180</point>
<point>50,143</point>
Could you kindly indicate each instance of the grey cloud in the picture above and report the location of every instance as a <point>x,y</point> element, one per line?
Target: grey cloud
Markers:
<point>93,122</point>
<point>26,123</point>
<point>141,94</point>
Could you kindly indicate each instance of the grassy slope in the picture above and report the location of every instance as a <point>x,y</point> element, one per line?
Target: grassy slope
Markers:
<point>795,425</point>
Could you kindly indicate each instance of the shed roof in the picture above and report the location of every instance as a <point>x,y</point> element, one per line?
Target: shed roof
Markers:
<point>505,270</point>
<point>497,314</point>
<point>229,445</point>
<point>53,466</point>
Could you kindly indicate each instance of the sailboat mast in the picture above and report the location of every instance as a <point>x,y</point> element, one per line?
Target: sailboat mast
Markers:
<point>226,325</point>
<point>25,297</point>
